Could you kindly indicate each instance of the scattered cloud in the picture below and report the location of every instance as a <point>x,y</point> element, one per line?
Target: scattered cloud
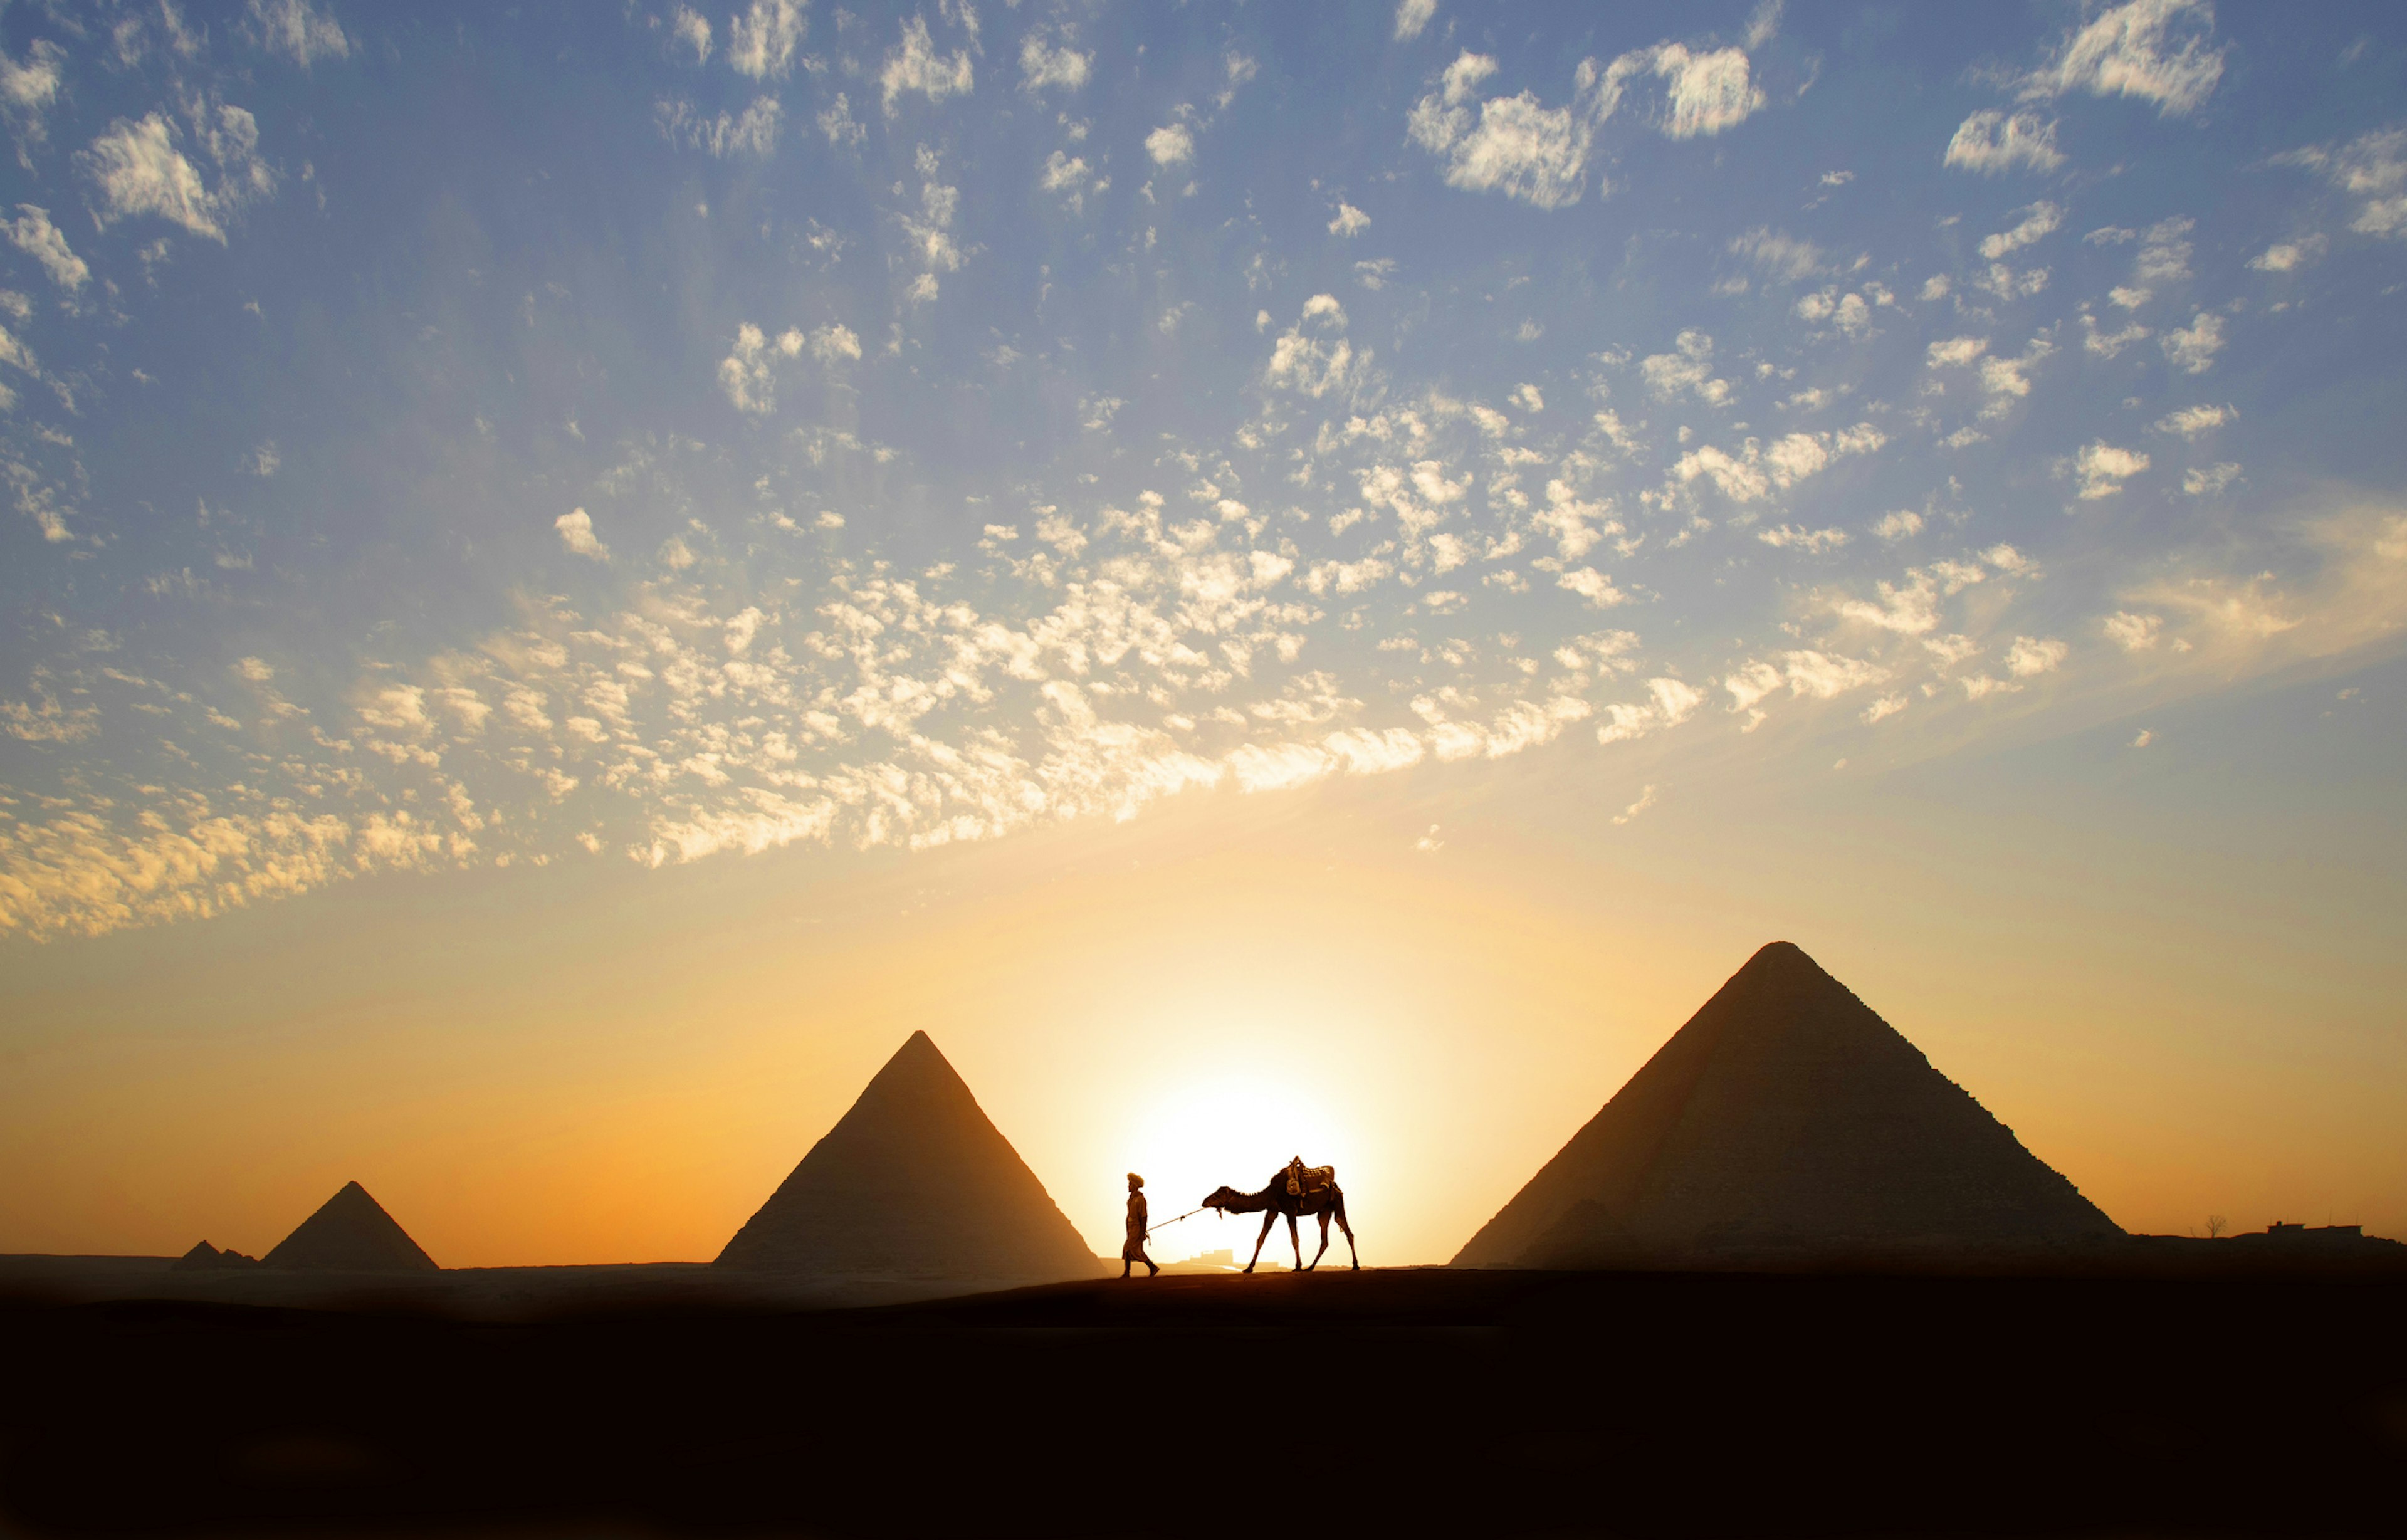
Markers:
<point>761,43</point>
<point>1991,141</point>
<point>139,168</point>
<point>1411,17</point>
<point>2195,423</point>
<point>2155,50</point>
<point>1170,145</point>
<point>2192,349</point>
<point>753,133</point>
<point>298,31</point>
<point>1052,66</point>
<point>913,65</point>
<point>691,30</point>
<point>1349,221</point>
<point>35,234</point>
<point>2103,469</point>
<point>2288,256</point>
<point>576,529</point>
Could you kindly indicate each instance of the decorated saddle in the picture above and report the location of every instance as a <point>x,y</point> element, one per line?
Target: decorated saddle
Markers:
<point>1304,1180</point>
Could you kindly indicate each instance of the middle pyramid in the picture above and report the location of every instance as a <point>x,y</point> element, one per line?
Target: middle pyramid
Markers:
<point>914,1181</point>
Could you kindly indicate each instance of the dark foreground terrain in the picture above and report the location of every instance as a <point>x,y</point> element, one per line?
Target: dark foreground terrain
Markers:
<point>1383,1403</point>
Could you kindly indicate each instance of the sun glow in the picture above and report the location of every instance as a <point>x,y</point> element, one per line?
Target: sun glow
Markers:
<point>1236,1134</point>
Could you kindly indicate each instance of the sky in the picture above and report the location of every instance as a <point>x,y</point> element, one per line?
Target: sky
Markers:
<point>1281,579</point>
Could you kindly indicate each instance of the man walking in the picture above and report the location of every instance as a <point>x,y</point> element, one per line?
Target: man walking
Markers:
<point>1133,1249</point>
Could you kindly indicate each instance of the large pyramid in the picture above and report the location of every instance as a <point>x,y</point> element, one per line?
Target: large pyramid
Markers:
<point>1786,1119</point>
<point>350,1234</point>
<point>915,1181</point>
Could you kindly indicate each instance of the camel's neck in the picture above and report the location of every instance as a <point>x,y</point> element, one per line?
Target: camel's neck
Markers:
<point>1254,1203</point>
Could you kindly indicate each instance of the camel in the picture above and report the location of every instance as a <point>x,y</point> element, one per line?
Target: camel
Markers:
<point>1275,1200</point>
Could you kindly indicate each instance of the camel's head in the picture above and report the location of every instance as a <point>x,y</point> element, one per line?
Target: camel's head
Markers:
<point>1222,1197</point>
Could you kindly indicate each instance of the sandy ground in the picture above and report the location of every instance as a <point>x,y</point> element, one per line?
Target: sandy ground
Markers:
<point>1407,1401</point>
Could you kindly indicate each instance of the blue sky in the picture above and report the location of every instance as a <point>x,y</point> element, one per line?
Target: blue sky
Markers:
<point>445,438</point>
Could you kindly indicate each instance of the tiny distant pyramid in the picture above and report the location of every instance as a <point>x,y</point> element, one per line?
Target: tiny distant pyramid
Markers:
<point>1785,1118</point>
<point>204,1258</point>
<point>350,1234</point>
<point>913,1181</point>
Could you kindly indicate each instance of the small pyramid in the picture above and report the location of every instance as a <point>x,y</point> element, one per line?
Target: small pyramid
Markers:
<point>350,1234</point>
<point>914,1180</point>
<point>1785,1117</point>
<point>204,1258</point>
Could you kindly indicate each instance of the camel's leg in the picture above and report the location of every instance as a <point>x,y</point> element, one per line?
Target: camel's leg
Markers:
<point>1349,1234</point>
<point>1324,1241</point>
<point>1292,1239</point>
<point>1268,1220</point>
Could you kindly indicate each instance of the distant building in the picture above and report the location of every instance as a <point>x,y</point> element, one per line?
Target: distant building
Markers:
<point>2277,1230</point>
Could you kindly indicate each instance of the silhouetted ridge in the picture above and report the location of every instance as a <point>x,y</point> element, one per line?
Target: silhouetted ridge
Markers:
<point>914,1181</point>
<point>1786,1117</point>
<point>350,1234</point>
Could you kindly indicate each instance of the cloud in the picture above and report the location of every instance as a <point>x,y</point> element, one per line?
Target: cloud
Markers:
<point>1515,145</point>
<point>1592,586</point>
<point>915,66</point>
<point>576,529</point>
<point>1170,145</point>
<point>747,374</point>
<point>1349,221</point>
<point>298,31</point>
<point>1688,368</point>
<point>1778,255</point>
<point>2375,167</point>
<point>1411,17</point>
<point>2155,50</point>
<point>831,343</point>
<point>761,42</point>
<point>2030,656</point>
<point>1044,67</point>
<point>2192,349</point>
<point>1954,352</point>
<point>836,121</point>
<point>2207,480</point>
<point>2195,423</point>
<point>27,91</point>
<point>1758,470</point>
<point>2288,256</point>
<point>1900,525</point>
<point>1668,703</point>
<point>2133,633</point>
<point>1990,141</point>
<point>140,170</point>
<point>1645,800</point>
<point>1795,537</point>
<point>754,133</point>
<point>46,243</point>
<point>2040,221</point>
<point>2105,468</point>
<point>1312,356</point>
<point>931,232</point>
<point>1710,92</point>
<point>691,29</point>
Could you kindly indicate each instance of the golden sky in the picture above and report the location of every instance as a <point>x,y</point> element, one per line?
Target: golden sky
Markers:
<point>613,1064</point>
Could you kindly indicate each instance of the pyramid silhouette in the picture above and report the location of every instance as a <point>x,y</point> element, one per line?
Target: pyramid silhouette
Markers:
<point>350,1234</point>
<point>1785,1117</point>
<point>204,1258</point>
<point>914,1180</point>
